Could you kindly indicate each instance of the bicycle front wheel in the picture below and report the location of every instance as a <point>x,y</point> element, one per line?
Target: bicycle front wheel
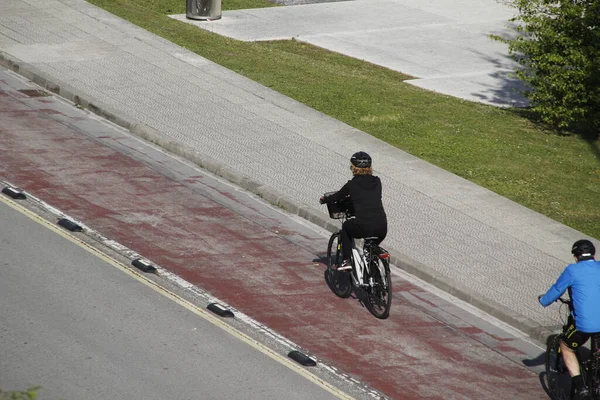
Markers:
<point>558,380</point>
<point>379,291</point>
<point>338,281</point>
<point>592,375</point>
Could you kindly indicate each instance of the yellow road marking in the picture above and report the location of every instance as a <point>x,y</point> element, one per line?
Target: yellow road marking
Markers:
<point>179,300</point>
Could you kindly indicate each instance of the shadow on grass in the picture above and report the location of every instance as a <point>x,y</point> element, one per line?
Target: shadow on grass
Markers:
<point>511,92</point>
<point>591,136</point>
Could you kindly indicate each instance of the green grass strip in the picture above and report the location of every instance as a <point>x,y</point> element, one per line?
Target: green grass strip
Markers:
<point>499,149</point>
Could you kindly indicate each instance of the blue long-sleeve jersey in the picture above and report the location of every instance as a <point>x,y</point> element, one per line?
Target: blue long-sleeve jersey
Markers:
<point>583,278</point>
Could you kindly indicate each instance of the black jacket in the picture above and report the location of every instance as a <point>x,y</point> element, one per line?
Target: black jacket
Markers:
<point>365,192</point>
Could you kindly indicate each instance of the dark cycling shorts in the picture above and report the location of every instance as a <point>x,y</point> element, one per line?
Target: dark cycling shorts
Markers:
<point>574,338</point>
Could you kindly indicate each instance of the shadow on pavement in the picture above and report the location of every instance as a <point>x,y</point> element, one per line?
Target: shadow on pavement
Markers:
<point>509,93</point>
<point>534,362</point>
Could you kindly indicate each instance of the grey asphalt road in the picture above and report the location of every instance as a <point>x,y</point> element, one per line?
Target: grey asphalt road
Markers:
<point>82,329</point>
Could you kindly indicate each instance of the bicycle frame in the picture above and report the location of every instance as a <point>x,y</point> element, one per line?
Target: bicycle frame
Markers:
<point>590,367</point>
<point>361,266</point>
<point>366,262</point>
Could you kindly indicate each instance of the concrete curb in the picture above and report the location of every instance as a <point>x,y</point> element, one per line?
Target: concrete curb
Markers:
<point>273,196</point>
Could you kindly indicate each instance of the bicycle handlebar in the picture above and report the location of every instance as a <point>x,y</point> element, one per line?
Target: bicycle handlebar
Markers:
<point>343,208</point>
<point>561,299</point>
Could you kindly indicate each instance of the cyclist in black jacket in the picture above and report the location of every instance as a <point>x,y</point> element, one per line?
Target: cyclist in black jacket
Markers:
<point>364,190</point>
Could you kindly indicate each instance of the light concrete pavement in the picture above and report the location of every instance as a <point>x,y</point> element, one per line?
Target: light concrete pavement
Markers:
<point>465,239</point>
<point>444,44</point>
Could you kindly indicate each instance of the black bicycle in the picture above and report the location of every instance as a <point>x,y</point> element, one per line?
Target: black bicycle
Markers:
<point>370,267</point>
<point>558,378</point>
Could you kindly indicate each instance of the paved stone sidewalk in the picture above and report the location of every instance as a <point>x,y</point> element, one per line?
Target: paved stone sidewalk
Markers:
<point>467,240</point>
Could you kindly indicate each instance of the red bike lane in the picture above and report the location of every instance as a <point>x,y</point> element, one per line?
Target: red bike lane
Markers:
<point>252,261</point>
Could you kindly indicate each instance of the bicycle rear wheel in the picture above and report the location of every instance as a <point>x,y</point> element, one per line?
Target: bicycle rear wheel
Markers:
<point>558,380</point>
<point>379,294</point>
<point>338,281</point>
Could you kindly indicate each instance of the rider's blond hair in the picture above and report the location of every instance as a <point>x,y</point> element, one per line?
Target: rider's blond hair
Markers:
<point>361,171</point>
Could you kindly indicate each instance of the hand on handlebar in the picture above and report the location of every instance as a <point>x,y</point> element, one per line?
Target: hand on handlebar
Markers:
<point>560,299</point>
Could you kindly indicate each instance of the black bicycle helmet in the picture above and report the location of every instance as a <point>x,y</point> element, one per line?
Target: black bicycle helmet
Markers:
<point>583,248</point>
<point>361,160</point>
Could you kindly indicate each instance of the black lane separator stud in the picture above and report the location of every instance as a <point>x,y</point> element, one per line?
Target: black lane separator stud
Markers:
<point>220,310</point>
<point>144,265</point>
<point>14,193</point>
<point>302,358</point>
<point>70,225</point>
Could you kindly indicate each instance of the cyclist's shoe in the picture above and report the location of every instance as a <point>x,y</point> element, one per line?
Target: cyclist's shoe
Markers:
<point>346,266</point>
<point>581,394</point>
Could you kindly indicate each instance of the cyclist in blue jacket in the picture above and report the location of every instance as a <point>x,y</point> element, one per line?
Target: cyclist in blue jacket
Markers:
<point>582,280</point>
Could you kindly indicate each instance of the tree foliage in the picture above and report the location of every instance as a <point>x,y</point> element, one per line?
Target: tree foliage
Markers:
<point>559,52</point>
